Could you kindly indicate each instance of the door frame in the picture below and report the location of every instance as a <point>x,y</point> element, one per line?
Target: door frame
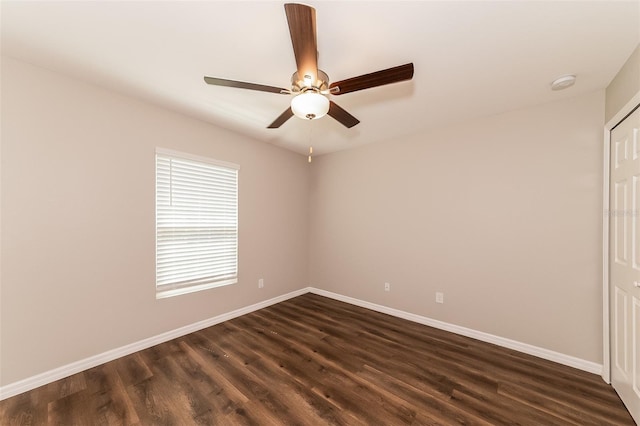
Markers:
<point>606,336</point>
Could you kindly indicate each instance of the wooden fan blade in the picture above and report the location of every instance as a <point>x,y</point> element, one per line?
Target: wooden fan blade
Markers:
<point>287,114</point>
<point>374,79</point>
<point>342,115</point>
<point>242,85</point>
<point>302,28</point>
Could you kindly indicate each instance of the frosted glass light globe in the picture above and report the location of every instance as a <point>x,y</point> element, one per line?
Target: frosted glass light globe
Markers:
<point>310,105</point>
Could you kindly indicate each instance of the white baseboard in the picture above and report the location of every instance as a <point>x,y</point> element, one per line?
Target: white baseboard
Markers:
<point>547,354</point>
<point>33,382</point>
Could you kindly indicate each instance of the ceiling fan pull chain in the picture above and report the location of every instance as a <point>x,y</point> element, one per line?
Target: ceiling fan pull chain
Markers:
<point>310,140</point>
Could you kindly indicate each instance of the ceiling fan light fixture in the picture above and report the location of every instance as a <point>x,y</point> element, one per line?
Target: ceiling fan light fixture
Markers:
<point>310,105</point>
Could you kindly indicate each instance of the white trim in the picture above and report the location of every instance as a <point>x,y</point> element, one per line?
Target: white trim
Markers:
<point>606,338</point>
<point>526,348</point>
<point>170,292</point>
<point>194,157</point>
<point>606,355</point>
<point>624,111</point>
<point>33,382</point>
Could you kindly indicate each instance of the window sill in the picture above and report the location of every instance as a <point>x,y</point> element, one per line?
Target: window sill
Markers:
<point>170,292</point>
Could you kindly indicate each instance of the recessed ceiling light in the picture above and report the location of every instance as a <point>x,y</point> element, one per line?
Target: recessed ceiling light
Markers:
<point>563,82</point>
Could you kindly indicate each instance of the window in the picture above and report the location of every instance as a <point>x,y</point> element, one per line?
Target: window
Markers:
<point>196,223</point>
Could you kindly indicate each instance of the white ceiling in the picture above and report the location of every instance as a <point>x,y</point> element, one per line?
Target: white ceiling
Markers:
<point>471,58</point>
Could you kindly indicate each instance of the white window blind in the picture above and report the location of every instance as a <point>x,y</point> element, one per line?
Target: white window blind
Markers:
<point>196,223</point>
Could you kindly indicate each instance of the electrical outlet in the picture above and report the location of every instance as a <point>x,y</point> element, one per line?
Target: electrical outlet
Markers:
<point>260,283</point>
<point>387,287</point>
<point>439,297</point>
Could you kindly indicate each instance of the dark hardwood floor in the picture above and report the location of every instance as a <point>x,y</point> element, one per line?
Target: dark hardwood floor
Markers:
<point>315,361</point>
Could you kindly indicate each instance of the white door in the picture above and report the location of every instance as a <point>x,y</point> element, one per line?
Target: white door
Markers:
<point>624,261</point>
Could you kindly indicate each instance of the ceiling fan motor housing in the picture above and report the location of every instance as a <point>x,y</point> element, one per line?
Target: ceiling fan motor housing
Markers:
<point>300,84</point>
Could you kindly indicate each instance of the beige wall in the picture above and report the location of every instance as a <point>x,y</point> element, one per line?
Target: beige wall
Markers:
<point>502,214</point>
<point>78,220</point>
<point>624,86</point>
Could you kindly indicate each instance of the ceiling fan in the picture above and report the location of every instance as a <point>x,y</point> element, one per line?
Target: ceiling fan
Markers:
<point>309,85</point>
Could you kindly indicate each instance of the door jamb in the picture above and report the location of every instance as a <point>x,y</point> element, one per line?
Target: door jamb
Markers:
<point>606,337</point>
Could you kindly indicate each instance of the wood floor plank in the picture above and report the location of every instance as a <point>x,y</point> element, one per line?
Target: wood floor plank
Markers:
<point>504,411</point>
<point>254,387</point>
<point>220,399</point>
<point>315,361</point>
<point>227,393</point>
<point>560,407</point>
<point>155,404</point>
<point>348,379</point>
<point>308,405</point>
<point>110,405</point>
<point>132,369</point>
<point>69,410</point>
<point>436,407</point>
<point>26,409</point>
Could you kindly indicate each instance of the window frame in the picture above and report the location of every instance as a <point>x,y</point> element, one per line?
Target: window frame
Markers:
<point>178,288</point>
